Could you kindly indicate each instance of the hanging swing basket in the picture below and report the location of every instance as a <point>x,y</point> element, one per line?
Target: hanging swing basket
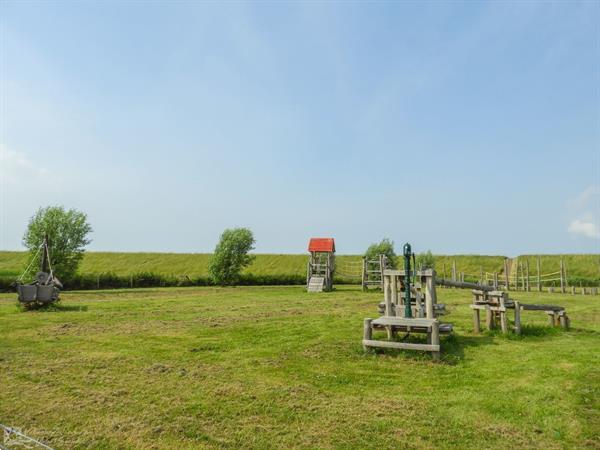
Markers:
<point>44,289</point>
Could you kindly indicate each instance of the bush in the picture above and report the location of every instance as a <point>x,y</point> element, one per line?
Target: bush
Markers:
<point>231,256</point>
<point>67,232</point>
<point>385,247</point>
<point>425,260</point>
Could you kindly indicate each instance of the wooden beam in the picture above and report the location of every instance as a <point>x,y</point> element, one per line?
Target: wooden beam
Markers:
<point>401,345</point>
<point>367,332</point>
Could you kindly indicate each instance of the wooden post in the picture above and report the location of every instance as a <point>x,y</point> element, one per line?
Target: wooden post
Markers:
<point>496,280</point>
<point>562,276</point>
<point>430,294</point>
<point>435,339</point>
<point>481,275</point>
<point>386,296</point>
<point>573,290</point>
<point>454,270</point>
<point>381,269</point>
<point>367,332</point>
<point>539,281</point>
<point>444,270</point>
<point>506,275</point>
<point>131,281</point>
<point>517,317</point>
<point>564,323</point>
<point>489,318</point>
<point>503,319</point>
<point>98,281</point>
<point>394,294</point>
<point>364,274</point>
<point>551,318</point>
<point>527,274</point>
<point>476,321</point>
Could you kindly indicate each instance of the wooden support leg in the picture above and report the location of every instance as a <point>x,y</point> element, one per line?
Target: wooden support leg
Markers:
<point>489,319</point>
<point>551,320</point>
<point>517,318</point>
<point>390,332</point>
<point>435,339</point>
<point>476,321</point>
<point>503,322</point>
<point>367,332</point>
<point>564,321</point>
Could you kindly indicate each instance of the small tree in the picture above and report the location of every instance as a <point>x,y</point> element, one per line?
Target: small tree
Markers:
<point>385,247</point>
<point>425,260</point>
<point>231,256</point>
<point>67,232</point>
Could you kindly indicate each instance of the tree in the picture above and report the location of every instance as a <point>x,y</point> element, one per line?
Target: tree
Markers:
<point>385,247</point>
<point>425,260</point>
<point>231,256</point>
<point>67,232</point>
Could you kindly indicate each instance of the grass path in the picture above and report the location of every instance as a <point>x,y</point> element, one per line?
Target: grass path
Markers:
<point>275,367</point>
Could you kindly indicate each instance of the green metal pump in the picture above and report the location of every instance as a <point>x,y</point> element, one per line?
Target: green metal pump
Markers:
<point>407,256</point>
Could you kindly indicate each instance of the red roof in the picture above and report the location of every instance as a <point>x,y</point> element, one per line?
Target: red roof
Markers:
<point>321,245</point>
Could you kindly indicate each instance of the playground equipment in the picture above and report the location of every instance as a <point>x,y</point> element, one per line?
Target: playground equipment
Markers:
<point>408,309</point>
<point>44,289</point>
<point>372,272</point>
<point>496,305</point>
<point>321,265</point>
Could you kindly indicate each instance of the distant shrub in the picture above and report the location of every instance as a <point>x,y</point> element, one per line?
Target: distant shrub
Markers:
<point>231,256</point>
<point>385,247</point>
<point>425,260</point>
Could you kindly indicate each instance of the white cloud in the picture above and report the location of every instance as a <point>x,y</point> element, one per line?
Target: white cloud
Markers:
<point>585,211</point>
<point>582,228</point>
<point>586,197</point>
<point>15,167</point>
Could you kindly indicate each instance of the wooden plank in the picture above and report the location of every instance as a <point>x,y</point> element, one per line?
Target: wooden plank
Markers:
<point>531,307</point>
<point>401,345</point>
<point>402,321</point>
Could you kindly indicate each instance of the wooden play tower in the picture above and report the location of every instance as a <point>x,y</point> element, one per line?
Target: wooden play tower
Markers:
<point>321,265</point>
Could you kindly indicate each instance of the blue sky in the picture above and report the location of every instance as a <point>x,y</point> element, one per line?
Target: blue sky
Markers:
<point>459,127</point>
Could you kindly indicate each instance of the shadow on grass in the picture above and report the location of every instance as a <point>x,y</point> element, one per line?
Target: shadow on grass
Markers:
<point>453,347</point>
<point>54,307</point>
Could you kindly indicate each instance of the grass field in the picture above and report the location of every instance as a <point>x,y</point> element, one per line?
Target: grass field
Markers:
<point>275,367</point>
<point>196,264</point>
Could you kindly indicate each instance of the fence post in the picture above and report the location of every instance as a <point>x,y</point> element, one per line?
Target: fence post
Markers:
<point>364,273</point>
<point>496,280</point>
<point>527,274</point>
<point>481,275</point>
<point>506,274</point>
<point>562,276</point>
<point>539,267</point>
<point>131,281</point>
<point>454,270</point>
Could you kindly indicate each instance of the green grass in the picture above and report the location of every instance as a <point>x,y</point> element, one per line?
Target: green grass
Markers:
<point>275,367</point>
<point>585,266</point>
<point>196,264</point>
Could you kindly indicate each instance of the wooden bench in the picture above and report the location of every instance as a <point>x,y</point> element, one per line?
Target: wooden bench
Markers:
<point>496,305</point>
